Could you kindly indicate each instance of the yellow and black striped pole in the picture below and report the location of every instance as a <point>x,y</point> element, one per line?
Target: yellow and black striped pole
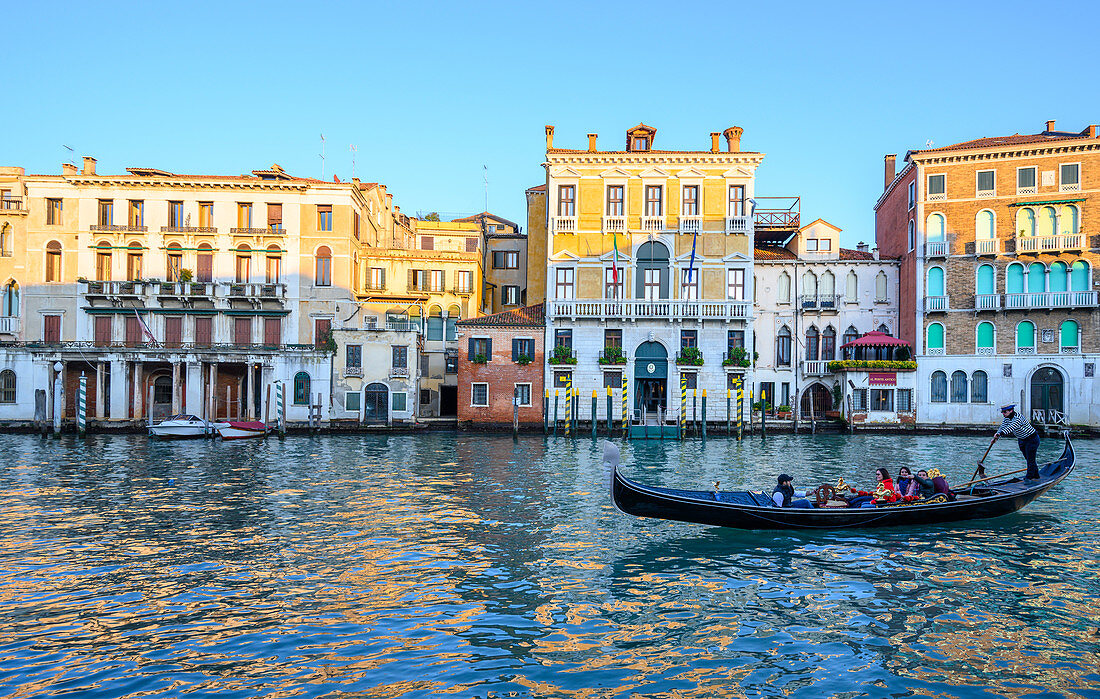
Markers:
<point>703,422</point>
<point>683,402</point>
<point>740,406</point>
<point>568,404</point>
<point>610,420</point>
<point>626,414</point>
<point>729,413</point>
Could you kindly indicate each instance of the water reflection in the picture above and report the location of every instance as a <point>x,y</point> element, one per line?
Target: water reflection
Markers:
<point>441,564</point>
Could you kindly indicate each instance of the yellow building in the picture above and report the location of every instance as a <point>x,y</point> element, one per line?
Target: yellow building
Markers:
<point>649,266</point>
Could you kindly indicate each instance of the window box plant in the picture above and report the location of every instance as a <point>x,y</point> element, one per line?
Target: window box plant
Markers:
<point>612,355</point>
<point>480,359</point>
<point>523,360</point>
<point>562,355</point>
<point>737,357</point>
<point>690,356</point>
<point>783,412</point>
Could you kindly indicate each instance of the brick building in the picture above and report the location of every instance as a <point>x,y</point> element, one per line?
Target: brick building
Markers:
<point>997,238</point>
<point>502,358</point>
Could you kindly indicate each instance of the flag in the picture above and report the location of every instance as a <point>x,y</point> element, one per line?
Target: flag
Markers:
<point>145,331</point>
<point>691,265</point>
<point>615,263</point>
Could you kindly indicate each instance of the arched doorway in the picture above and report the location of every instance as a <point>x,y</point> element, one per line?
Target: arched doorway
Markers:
<point>819,397</point>
<point>376,402</point>
<point>650,377</point>
<point>162,397</point>
<point>651,282</point>
<point>1047,404</point>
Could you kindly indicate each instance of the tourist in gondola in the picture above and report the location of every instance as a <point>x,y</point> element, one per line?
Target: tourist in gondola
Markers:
<point>926,487</point>
<point>785,495</point>
<point>906,486</point>
<point>882,495</point>
<point>1026,437</point>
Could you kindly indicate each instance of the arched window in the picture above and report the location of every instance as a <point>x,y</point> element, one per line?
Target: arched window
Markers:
<point>53,261</point>
<point>880,287</point>
<point>103,261</point>
<point>1069,337</point>
<point>783,288</point>
<point>435,323</point>
<point>912,236</point>
<point>850,335</point>
<point>204,263</point>
<point>809,285</point>
<point>5,241</point>
<point>1046,223</point>
<point>10,300</point>
<point>1069,220</point>
<point>323,273</point>
<point>244,264</point>
<point>451,321</point>
<point>7,386</point>
<point>1036,278</point>
<point>935,339</point>
<point>986,280</point>
<point>273,269</point>
<point>1025,222</point>
<point>783,347</point>
<point>1079,276</point>
<point>979,387</point>
<point>1058,280</point>
<point>1014,279</point>
<point>939,387</point>
<point>175,262</point>
<point>828,344</point>
<point>134,262</point>
<point>652,282</point>
<point>958,387</point>
<point>1025,337</point>
<point>986,338</point>
<point>883,329</point>
<point>985,227</point>
<point>851,287</point>
<point>935,282</point>
<point>936,229</point>
<point>827,287</point>
<point>812,339</point>
<point>301,388</point>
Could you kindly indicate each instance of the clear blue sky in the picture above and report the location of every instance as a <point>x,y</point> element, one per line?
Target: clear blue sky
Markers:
<point>432,92</point>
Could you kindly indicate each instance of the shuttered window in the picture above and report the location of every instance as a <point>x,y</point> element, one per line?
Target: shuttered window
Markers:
<point>173,331</point>
<point>103,331</point>
<point>274,216</point>
<point>242,331</point>
<point>273,331</point>
<point>203,331</point>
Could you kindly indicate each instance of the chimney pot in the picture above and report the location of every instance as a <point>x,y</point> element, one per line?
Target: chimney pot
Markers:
<point>733,138</point>
<point>714,141</point>
<point>68,169</point>
<point>1090,131</point>
<point>1050,124</point>
<point>592,142</point>
<point>874,251</point>
<point>89,165</point>
<point>549,137</point>
<point>891,169</point>
<point>861,246</point>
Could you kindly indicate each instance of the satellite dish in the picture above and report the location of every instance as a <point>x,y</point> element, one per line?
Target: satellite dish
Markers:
<point>929,143</point>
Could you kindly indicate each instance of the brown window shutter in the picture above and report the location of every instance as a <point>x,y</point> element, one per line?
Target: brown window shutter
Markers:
<point>427,242</point>
<point>274,213</point>
<point>103,331</point>
<point>272,331</point>
<point>203,331</point>
<point>173,331</point>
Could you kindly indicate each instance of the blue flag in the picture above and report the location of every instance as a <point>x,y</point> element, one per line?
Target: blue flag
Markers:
<point>691,265</point>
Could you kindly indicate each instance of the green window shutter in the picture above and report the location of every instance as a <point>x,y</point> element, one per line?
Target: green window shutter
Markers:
<point>986,283</point>
<point>1079,277</point>
<point>1059,278</point>
<point>515,350</point>
<point>935,336</point>
<point>985,335</point>
<point>1025,334</point>
<point>1036,278</point>
<point>1069,333</point>
<point>1014,279</point>
<point>935,282</point>
<point>470,348</point>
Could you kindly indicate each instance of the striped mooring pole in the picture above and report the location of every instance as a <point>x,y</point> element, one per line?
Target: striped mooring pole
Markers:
<point>82,406</point>
<point>729,414</point>
<point>555,412</point>
<point>683,402</point>
<point>610,421</point>
<point>546,412</point>
<point>703,423</point>
<point>740,407</point>
<point>568,404</point>
<point>626,414</point>
<point>280,409</point>
<point>595,409</point>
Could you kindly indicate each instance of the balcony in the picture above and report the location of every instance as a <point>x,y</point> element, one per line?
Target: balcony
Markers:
<point>935,303</point>
<point>462,290</point>
<point>185,289</point>
<point>109,228</point>
<point>777,212</point>
<point>815,367</point>
<point>417,288</point>
<point>738,225</point>
<point>257,291</point>
<point>937,248</point>
<point>11,204</point>
<point>612,356</point>
<point>614,224</point>
<point>209,230</point>
<point>129,289</point>
<point>822,302</point>
<point>1051,299</point>
<point>691,224</point>
<point>987,302</point>
<point>256,231</point>
<point>1050,243</point>
<point>563,224</point>
<point>399,372</point>
<point>598,309</point>
<point>9,325</point>
<point>353,371</point>
<point>689,356</point>
<point>987,247</point>
<point>737,359</point>
<point>653,224</point>
<point>401,326</point>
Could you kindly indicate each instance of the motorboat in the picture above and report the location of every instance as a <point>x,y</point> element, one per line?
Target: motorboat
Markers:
<point>237,429</point>
<point>181,427</point>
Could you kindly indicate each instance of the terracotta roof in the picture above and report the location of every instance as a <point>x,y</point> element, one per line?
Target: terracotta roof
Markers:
<point>647,152</point>
<point>848,254</point>
<point>773,253</point>
<point>526,317</point>
<point>537,188</point>
<point>486,214</point>
<point>1013,140</point>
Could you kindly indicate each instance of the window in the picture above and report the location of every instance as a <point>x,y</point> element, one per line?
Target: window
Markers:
<point>811,245</point>
<point>436,279</point>
<point>613,380</point>
<point>480,346</point>
<point>812,343</point>
<point>53,212</point>
<point>767,392</point>
<point>301,388</point>
<point>850,335</point>
<point>563,337</point>
<point>399,401</point>
<point>322,331</point>
<point>522,394</point>
<point>615,200</point>
<point>175,262</point>
<point>851,287</point>
<point>654,200</point>
<point>882,399</point>
<point>106,212</point>
<point>1069,336</point>
<point>464,281</point>
<point>9,307</point>
<point>691,200</point>
<point>133,262</point>
<point>523,347</point>
<point>912,195</point>
<point>498,259</point>
<point>323,272</point>
<point>173,331</point>
<point>244,264</point>
<point>958,387</point>
<point>509,295</point>
<point>563,283</point>
<point>1079,276</point>
<point>1046,222</point>
<point>355,224</point>
<point>824,245</point>
<point>511,259</point>
<point>53,261</point>
<point>1069,177</point>
<point>204,331</point>
<point>273,332</point>
<point>690,379</point>
<point>939,387</point>
<point>987,183</point>
<point>859,399</point>
<point>274,265</point>
<point>936,229</point>
<point>400,355</point>
<point>427,242</point>
<point>206,213</point>
<point>103,262</point>
<point>935,339</point>
<point>377,279</point>
<point>244,215</point>
<point>274,217</point>
<point>912,236</point>
<point>450,362</point>
<point>828,344</point>
<point>425,396</point>
<point>353,356</point>
<point>737,200</point>
<point>688,338</point>
<point>471,244</point>
<point>136,214</point>
<point>935,282</point>
<point>735,284</point>
<point>175,214</point>
<point>351,401</point>
<point>978,387</point>
<point>783,288</point>
<point>689,284</point>
<point>7,386</point>
<point>242,331</point>
<point>567,200</point>
<point>563,379</point>
<point>905,400</point>
<point>613,282</point>
<point>936,187</point>
<point>985,338</point>
<point>324,217</point>
<point>639,143</point>
<point>204,263</point>
<point>734,339</point>
<point>783,347</point>
<point>1025,180</point>
<point>880,287</point>
<point>1069,220</point>
<point>479,395</point>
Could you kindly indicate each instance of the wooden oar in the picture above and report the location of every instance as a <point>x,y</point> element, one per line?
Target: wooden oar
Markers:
<point>988,478</point>
<point>980,471</point>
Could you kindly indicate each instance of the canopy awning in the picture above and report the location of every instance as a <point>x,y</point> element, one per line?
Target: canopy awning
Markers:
<point>876,338</point>
<point>1049,201</point>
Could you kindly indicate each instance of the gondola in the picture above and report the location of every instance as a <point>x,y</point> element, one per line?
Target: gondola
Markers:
<point>755,510</point>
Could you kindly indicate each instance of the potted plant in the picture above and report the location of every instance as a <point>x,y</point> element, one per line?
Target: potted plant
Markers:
<point>562,355</point>
<point>612,355</point>
<point>737,357</point>
<point>480,359</point>
<point>783,412</point>
<point>185,275</point>
<point>522,360</point>
<point>690,356</point>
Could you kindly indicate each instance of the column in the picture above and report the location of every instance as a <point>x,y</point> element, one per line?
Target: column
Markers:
<point>138,380</point>
<point>250,391</point>
<point>175,388</point>
<point>213,415</point>
<point>118,389</point>
<point>193,395</point>
<point>99,390</point>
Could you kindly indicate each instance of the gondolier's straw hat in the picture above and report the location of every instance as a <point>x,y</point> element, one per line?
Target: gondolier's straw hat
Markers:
<point>1008,406</point>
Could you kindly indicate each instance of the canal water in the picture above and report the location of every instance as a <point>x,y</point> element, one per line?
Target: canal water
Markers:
<point>478,566</point>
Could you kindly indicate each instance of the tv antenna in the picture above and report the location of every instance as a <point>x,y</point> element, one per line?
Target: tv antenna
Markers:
<point>322,156</point>
<point>72,153</point>
<point>354,151</point>
<point>929,143</point>
<point>485,174</point>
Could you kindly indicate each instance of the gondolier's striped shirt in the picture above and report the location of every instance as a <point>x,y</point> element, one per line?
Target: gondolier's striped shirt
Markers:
<point>1016,426</point>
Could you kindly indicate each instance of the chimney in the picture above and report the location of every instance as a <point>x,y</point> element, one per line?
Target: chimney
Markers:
<point>891,169</point>
<point>733,138</point>
<point>68,169</point>
<point>874,251</point>
<point>89,165</point>
<point>861,246</point>
<point>714,141</point>
<point>1050,125</point>
<point>1090,131</point>
<point>591,142</point>
<point>549,137</point>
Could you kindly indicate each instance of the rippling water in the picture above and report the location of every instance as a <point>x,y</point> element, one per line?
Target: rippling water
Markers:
<point>474,566</point>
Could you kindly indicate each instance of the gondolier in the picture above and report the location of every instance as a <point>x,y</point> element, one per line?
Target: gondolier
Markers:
<point>1016,425</point>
